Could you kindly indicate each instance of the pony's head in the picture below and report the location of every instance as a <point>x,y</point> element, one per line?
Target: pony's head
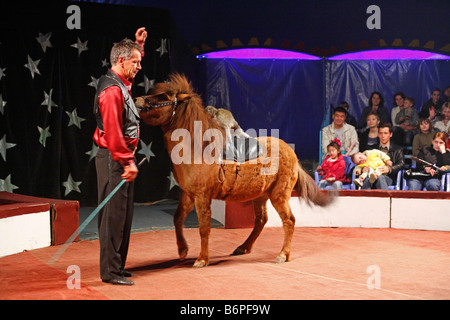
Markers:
<point>165,99</point>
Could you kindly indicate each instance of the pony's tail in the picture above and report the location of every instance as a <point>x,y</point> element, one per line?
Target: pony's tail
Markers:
<point>307,189</point>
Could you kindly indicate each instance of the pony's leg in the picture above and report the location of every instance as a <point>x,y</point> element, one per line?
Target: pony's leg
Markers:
<point>260,208</point>
<point>284,211</point>
<point>185,205</point>
<point>203,208</point>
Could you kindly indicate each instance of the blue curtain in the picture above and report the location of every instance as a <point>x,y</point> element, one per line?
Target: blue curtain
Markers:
<point>271,94</point>
<point>354,81</point>
<point>294,95</point>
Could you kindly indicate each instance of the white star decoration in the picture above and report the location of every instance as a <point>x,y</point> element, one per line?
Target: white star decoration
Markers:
<point>32,66</point>
<point>91,153</point>
<point>93,83</point>
<point>2,104</point>
<point>44,40</point>
<point>105,63</point>
<point>146,150</point>
<point>74,118</point>
<point>43,135</point>
<point>71,185</point>
<point>48,101</point>
<point>6,185</point>
<point>162,49</point>
<point>81,46</point>
<point>2,73</point>
<point>5,146</point>
<point>147,84</point>
<point>172,180</point>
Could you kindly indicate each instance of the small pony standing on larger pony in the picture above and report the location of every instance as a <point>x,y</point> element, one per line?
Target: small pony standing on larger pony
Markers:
<point>176,108</point>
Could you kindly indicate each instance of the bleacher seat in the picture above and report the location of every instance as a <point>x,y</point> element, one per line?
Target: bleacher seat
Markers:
<point>443,178</point>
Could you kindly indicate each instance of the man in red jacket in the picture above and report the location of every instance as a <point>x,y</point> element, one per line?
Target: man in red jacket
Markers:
<point>117,136</point>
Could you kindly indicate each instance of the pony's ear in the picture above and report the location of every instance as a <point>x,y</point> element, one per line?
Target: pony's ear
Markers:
<point>184,96</point>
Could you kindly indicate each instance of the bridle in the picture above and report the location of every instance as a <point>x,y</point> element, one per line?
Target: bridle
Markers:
<point>152,106</point>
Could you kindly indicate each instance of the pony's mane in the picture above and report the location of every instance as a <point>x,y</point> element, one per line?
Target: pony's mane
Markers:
<point>190,106</point>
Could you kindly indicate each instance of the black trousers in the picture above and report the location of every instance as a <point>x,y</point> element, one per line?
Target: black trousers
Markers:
<point>114,220</point>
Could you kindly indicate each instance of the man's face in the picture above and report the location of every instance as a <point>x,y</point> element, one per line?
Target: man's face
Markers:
<point>339,118</point>
<point>384,135</point>
<point>132,66</point>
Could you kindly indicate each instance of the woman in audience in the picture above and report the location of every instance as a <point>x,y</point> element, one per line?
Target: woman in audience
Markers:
<point>424,137</point>
<point>369,138</point>
<point>439,156</point>
<point>376,105</point>
<point>444,124</point>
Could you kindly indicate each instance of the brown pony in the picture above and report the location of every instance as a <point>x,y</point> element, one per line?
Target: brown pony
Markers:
<point>273,175</point>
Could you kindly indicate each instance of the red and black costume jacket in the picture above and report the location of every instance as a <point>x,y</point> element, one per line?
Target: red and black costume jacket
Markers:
<point>117,118</point>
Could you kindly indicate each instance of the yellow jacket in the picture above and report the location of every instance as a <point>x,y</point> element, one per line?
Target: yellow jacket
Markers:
<point>375,159</point>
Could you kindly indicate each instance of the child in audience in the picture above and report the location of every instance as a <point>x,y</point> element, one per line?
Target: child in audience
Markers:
<point>408,119</point>
<point>333,167</point>
<point>372,160</point>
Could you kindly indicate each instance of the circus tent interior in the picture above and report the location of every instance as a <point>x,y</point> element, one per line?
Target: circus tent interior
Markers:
<point>279,67</point>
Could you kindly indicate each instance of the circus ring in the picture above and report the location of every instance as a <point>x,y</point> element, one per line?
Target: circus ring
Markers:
<point>369,245</point>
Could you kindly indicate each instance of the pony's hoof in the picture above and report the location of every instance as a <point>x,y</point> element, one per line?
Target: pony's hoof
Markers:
<point>199,264</point>
<point>240,251</point>
<point>280,259</point>
<point>183,253</point>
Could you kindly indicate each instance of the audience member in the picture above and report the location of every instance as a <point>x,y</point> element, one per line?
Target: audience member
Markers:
<point>432,108</point>
<point>389,173</point>
<point>424,137</point>
<point>369,138</point>
<point>408,119</point>
<point>349,119</point>
<point>333,167</point>
<point>431,176</point>
<point>399,99</point>
<point>341,130</point>
<point>376,104</point>
<point>446,94</point>
<point>444,124</point>
<point>374,160</point>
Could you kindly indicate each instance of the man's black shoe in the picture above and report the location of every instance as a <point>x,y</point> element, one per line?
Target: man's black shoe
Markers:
<point>127,274</point>
<point>120,281</point>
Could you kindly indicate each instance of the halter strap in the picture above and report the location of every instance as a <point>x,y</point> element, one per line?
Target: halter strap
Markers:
<point>159,105</point>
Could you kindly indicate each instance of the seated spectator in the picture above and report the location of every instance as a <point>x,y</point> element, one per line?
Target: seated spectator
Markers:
<point>333,167</point>
<point>399,100</point>
<point>376,104</point>
<point>389,173</point>
<point>374,160</point>
<point>349,119</point>
<point>444,124</point>
<point>424,137</point>
<point>369,138</point>
<point>408,120</point>
<point>431,176</point>
<point>432,108</point>
<point>446,94</point>
<point>341,130</point>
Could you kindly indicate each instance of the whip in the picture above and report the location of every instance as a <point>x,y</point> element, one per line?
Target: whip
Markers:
<point>88,219</point>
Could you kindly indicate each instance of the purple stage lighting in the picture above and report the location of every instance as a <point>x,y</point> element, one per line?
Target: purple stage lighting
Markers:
<point>257,54</point>
<point>391,54</point>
